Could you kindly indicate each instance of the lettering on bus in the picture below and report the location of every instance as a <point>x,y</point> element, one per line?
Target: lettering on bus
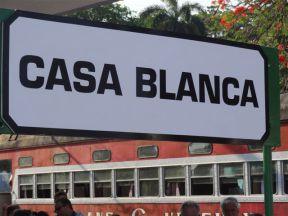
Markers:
<point>100,214</point>
<point>147,85</point>
<point>202,214</point>
<point>142,212</point>
<point>138,212</point>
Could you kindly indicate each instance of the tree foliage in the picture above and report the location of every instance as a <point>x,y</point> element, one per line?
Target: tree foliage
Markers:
<point>110,13</point>
<point>263,22</point>
<point>174,17</point>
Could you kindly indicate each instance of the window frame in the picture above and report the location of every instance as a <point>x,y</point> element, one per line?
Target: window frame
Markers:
<point>25,165</point>
<point>134,180</point>
<point>33,186</point>
<point>80,182</point>
<point>257,150</point>
<point>184,176</point>
<point>57,154</point>
<point>244,179</point>
<point>203,177</point>
<point>145,157</point>
<point>195,154</point>
<point>36,185</point>
<point>103,181</point>
<point>149,179</point>
<point>249,173</point>
<point>102,150</point>
<point>175,178</point>
<point>283,176</point>
<point>254,150</point>
<point>69,194</point>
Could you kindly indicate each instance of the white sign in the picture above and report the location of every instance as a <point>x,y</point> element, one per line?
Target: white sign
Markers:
<point>69,77</point>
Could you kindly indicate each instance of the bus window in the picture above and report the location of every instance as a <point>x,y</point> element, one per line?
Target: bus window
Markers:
<point>202,179</point>
<point>62,182</point>
<point>25,162</point>
<point>5,173</point>
<point>255,147</point>
<point>174,181</point>
<point>101,155</point>
<point>199,148</point>
<point>62,158</point>
<point>26,186</point>
<point>43,185</point>
<point>102,183</point>
<point>125,183</point>
<point>149,181</point>
<point>285,171</point>
<point>231,179</point>
<point>256,177</point>
<point>82,184</point>
<point>147,151</point>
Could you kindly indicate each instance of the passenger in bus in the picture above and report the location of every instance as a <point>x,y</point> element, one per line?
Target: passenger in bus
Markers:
<point>63,207</point>
<point>42,213</point>
<point>5,180</point>
<point>21,212</point>
<point>4,209</point>
<point>255,214</point>
<point>190,208</point>
<point>230,207</point>
<point>10,209</point>
<point>60,195</point>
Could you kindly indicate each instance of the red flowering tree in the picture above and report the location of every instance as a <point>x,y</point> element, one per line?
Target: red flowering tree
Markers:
<point>263,22</point>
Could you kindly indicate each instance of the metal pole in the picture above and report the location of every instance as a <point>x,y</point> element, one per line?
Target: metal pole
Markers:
<point>267,170</point>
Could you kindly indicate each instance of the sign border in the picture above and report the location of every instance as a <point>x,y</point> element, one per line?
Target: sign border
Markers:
<point>126,135</point>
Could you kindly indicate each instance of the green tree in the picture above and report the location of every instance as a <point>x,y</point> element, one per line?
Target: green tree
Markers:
<point>110,13</point>
<point>173,17</point>
<point>263,22</point>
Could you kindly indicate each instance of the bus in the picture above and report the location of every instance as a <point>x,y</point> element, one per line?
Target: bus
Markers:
<point>139,177</point>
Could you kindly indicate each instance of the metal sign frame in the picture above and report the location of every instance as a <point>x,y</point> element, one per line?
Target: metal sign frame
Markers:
<point>93,133</point>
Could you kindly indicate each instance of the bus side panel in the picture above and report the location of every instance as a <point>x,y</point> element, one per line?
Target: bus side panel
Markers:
<point>207,209</point>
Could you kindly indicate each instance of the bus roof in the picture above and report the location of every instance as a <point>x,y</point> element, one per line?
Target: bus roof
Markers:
<point>27,141</point>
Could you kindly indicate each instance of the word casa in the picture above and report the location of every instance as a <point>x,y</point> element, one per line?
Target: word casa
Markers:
<point>147,85</point>
<point>58,75</point>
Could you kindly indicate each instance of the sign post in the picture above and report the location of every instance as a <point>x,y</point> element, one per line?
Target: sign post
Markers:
<point>268,191</point>
<point>274,136</point>
<point>61,76</point>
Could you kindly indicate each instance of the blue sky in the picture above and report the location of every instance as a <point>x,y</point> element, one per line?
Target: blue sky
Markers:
<point>139,5</point>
